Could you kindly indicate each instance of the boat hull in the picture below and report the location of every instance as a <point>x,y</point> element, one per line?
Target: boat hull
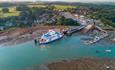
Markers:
<point>49,41</point>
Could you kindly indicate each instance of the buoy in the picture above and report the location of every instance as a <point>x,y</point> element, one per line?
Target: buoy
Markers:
<point>107,67</point>
<point>113,39</point>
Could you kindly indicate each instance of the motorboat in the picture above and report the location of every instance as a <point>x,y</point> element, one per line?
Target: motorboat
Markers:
<point>108,51</point>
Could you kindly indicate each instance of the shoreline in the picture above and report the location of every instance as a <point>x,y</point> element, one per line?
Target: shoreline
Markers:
<point>90,63</point>
<point>20,35</point>
<point>83,64</point>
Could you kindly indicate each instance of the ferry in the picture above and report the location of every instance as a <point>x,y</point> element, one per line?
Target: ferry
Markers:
<point>50,36</point>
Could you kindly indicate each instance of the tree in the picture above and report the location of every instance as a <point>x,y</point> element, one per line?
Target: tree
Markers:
<point>64,21</point>
<point>70,22</point>
<point>105,21</point>
<point>22,8</point>
<point>60,20</point>
<point>5,10</point>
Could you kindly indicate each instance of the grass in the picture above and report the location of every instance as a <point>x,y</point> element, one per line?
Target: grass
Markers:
<point>36,6</point>
<point>57,7</point>
<point>12,12</point>
<point>62,7</point>
<point>105,26</point>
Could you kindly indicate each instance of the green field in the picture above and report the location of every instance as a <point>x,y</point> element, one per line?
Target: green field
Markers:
<point>36,6</point>
<point>62,7</point>
<point>56,6</point>
<point>12,12</point>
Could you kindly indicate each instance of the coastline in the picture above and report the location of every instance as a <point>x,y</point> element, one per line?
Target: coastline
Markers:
<point>21,35</point>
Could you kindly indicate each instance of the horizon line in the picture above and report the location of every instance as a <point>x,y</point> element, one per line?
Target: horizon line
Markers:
<point>53,1</point>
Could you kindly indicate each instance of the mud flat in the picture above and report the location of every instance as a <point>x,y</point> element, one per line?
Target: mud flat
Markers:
<point>84,64</point>
<point>21,35</point>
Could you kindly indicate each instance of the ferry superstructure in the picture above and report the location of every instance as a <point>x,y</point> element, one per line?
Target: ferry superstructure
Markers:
<point>50,36</point>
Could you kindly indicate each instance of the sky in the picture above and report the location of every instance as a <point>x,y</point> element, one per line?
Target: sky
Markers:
<point>61,0</point>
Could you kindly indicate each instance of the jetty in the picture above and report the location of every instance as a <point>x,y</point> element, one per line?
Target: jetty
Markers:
<point>88,28</point>
<point>73,30</point>
<point>100,29</point>
<point>97,38</point>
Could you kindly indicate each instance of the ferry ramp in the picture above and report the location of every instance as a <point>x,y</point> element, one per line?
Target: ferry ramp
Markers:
<point>72,30</point>
<point>88,28</point>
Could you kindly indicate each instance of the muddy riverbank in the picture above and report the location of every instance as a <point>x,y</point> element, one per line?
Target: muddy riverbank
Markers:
<point>21,35</point>
<point>83,64</point>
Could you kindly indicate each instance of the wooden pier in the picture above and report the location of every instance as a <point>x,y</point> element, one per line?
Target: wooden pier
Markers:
<point>73,30</point>
<point>98,38</point>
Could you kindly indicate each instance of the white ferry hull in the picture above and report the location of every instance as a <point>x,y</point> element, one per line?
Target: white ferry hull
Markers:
<point>46,42</point>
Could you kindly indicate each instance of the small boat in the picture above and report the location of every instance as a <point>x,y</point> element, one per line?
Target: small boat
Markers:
<point>107,67</point>
<point>50,36</point>
<point>108,51</point>
<point>113,39</point>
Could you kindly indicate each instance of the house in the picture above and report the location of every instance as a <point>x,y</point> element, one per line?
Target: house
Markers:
<point>8,24</point>
<point>2,27</point>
